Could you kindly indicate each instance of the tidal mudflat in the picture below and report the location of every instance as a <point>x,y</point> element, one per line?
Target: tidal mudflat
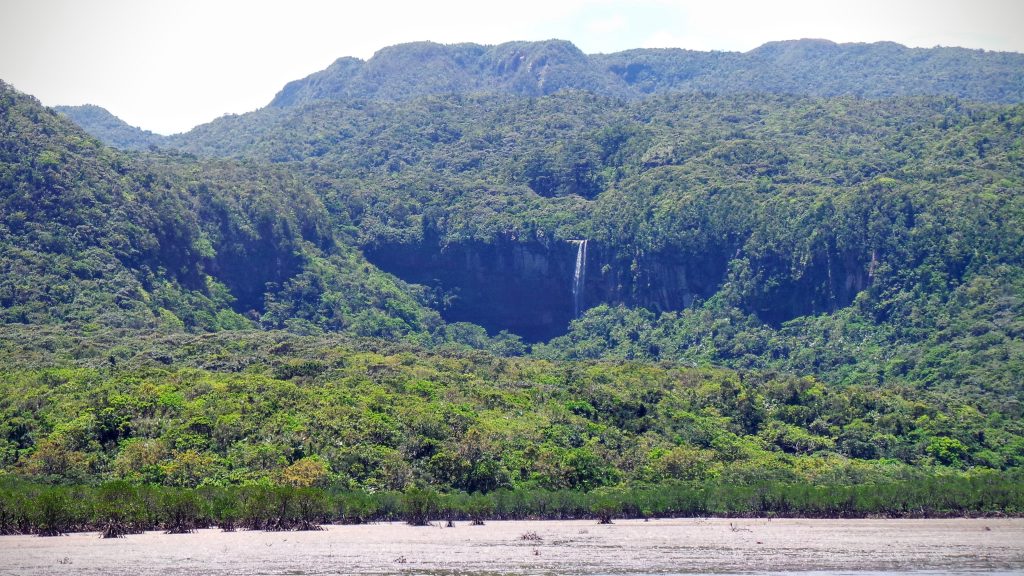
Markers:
<point>668,546</point>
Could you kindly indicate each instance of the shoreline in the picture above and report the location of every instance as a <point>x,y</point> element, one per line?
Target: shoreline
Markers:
<point>583,547</point>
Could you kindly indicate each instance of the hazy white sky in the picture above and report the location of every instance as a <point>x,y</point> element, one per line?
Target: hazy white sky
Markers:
<point>169,65</point>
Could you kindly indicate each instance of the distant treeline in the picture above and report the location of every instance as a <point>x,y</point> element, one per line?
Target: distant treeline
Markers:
<point>119,508</point>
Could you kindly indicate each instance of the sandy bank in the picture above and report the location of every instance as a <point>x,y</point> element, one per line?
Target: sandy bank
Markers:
<point>565,547</point>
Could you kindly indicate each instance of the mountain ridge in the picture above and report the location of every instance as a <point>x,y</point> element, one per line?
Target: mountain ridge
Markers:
<point>809,67</point>
<point>108,128</point>
<point>537,68</point>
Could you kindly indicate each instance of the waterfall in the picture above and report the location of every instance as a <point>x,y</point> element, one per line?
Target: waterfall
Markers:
<point>579,276</point>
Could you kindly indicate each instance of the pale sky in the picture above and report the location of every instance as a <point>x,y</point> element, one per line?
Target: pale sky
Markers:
<point>167,66</point>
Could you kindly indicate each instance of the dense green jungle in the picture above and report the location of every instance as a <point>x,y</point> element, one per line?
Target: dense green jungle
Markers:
<point>476,282</point>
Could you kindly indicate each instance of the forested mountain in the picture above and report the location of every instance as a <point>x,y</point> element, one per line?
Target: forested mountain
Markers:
<point>93,237</point>
<point>786,217</point>
<point>110,129</point>
<point>824,68</point>
<point>804,67</point>
<point>423,68</point>
<point>753,211</point>
<point>796,67</point>
<point>804,263</point>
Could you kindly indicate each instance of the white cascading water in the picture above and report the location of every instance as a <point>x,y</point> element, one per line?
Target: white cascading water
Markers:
<point>579,276</point>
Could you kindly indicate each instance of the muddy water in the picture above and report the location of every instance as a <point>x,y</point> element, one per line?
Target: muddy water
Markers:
<point>682,546</point>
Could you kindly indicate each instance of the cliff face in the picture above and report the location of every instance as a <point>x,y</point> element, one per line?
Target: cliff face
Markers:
<point>830,281</point>
<point>661,282</point>
<point>527,288</point>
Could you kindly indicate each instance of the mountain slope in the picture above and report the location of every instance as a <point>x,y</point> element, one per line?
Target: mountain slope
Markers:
<point>804,67</point>
<point>422,68</point>
<point>668,190</point>
<point>755,225</point>
<point>110,129</point>
<point>91,237</point>
<point>824,68</point>
<point>819,290</point>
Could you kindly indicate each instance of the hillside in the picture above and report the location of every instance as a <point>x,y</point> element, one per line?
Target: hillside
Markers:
<point>94,238</point>
<point>757,225</point>
<point>244,407</point>
<point>424,68</point>
<point>798,67</point>
<point>523,268</point>
<point>110,129</point>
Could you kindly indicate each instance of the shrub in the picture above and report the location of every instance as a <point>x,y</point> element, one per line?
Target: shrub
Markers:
<point>418,505</point>
<point>116,510</point>
<point>180,510</point>
<point>51,512</point>
<point>310,509</point>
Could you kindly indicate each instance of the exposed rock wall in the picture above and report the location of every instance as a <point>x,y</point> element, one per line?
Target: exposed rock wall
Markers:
<point>527,288</point>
